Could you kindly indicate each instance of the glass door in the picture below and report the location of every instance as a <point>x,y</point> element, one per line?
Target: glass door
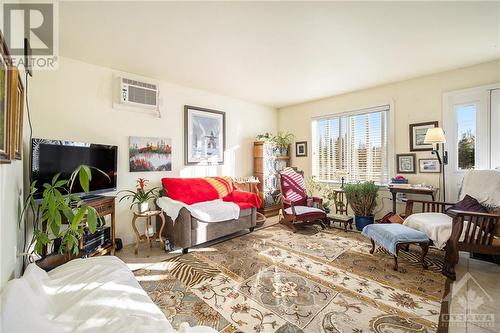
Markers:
<point>467,129</point>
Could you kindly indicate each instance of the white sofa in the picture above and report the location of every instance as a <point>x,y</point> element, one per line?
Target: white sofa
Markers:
<point>84,295</point>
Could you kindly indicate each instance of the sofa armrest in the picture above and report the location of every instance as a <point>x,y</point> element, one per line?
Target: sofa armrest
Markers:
<point>427,206</point>
<point>178,232</point>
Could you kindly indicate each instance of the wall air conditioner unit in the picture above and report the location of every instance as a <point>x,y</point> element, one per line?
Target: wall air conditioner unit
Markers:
<point>138,94</point>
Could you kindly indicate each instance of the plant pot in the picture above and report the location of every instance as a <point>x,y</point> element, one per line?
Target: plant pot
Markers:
<point>363,221</point>
<point>143,207</point>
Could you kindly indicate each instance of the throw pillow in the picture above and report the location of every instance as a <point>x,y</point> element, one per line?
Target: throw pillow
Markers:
<point>468,204</point>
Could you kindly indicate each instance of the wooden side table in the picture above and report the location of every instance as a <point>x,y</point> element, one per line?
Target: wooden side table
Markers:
<point>410,190</point>
<point>148,215</point>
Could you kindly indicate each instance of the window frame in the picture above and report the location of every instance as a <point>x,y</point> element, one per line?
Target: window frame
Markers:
<point>389,106</point>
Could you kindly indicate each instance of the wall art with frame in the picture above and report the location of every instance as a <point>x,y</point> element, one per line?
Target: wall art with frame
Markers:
<point>406,163</point>
<point>204,136</point>
<point>417,135</point>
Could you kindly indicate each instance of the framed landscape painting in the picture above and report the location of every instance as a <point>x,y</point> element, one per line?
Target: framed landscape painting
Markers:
<point>150,154</point>
<point>429,165</point>
<point>204,136</point>
<point>417,136</point>
<point>5,118</point>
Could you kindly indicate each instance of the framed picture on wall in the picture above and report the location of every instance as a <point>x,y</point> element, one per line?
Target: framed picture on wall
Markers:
<point>301,149</point>
<point>406,163</point>
<point>16,109</point>
<point>429,165</point>
<point>150,154</point>
<point>204,136</point>
<point>417,135</point>
<point>5,117</point>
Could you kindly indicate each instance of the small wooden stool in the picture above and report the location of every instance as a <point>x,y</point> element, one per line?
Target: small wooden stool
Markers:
<point>148,215</point>
<point>341,218</point>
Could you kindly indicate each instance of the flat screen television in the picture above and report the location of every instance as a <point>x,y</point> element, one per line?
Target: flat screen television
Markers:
<point>50,157</point>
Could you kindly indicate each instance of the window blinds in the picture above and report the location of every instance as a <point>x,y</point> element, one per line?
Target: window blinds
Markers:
<point>352,145</point>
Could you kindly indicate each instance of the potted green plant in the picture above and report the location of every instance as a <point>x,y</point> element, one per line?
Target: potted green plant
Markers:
<point>59,206</point>
<point>362,198</point>
<point>264,137</point>
<point>141,196</point>
<point>282,141</point>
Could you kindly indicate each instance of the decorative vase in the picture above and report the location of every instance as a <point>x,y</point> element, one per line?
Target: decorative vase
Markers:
<point>363,221</point>
<point>143,207</point>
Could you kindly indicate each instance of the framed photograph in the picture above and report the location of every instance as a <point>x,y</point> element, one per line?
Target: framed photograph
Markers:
<point>417,135</point>
<point>429,165</point>
<point>150,154</point>
<point>16,109</point>
<point>406,163</point>
<point>301,149</point>
<point>204,136</point>
<point>5,117</point>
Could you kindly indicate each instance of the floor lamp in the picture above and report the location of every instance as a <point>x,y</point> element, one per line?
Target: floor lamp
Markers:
<point>435,136</point>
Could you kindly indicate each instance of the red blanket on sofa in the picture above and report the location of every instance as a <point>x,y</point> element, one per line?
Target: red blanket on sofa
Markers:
<point>194,190</point>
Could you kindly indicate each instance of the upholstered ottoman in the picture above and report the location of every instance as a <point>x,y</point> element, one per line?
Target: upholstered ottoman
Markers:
<point>394,236</point>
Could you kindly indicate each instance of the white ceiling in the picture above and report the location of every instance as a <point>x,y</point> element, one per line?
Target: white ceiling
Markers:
<point>280,53</point>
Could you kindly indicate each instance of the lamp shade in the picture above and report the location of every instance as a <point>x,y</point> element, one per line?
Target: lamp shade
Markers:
<point>434,135</point>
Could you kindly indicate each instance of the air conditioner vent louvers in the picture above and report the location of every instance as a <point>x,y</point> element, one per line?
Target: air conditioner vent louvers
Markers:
<point>139,94</point>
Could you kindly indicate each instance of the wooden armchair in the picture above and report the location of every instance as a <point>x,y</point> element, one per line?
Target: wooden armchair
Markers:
<point>470,231</point>
<point>296,206</point>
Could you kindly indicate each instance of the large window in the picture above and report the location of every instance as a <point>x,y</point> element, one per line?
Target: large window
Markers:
<point>352,145</point>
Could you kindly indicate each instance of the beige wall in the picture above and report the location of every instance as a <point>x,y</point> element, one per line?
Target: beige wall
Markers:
<point>75,103</point>
<point>415,100</point>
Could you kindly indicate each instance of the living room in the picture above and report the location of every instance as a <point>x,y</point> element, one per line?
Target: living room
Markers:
<point>267,124</point>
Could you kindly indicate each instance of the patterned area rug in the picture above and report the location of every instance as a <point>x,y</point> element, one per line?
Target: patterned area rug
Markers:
<point>273,280</point>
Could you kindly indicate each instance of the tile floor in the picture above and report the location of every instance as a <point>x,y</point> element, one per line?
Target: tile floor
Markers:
<point>476,291</point>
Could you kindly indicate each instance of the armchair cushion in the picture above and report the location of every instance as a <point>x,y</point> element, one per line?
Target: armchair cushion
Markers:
<point>437,226</point>
<point>293,187</point>
<point>305,210</point>
<point>468,204</point>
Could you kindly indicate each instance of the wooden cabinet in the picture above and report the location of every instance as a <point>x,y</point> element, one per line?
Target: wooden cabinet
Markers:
<point>268,162</point>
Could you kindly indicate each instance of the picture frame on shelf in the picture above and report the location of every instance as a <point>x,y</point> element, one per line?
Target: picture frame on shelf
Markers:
<point>16,109</point>
<point>417,135</point>
<point>5,117</point>
<point>301,149</point>
<point>204,136</point>
<point>429,165</point>
<point>406,163</point>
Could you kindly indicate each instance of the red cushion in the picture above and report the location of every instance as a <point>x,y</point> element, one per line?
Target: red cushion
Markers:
<point>242,197</point>
<point>189,190</point>
<point>243,205</point>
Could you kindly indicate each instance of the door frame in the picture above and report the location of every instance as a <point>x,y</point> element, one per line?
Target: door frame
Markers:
<point>481,96</point>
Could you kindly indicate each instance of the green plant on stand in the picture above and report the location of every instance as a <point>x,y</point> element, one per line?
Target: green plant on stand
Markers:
<point>362,198</point>
<point>141,196</point>
<point>57,206</point>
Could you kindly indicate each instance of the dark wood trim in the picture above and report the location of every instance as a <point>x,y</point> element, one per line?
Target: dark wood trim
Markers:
<point>186,141</point>
<point>297,150</point>
<point>435,123</point>
<point>414,163</point>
